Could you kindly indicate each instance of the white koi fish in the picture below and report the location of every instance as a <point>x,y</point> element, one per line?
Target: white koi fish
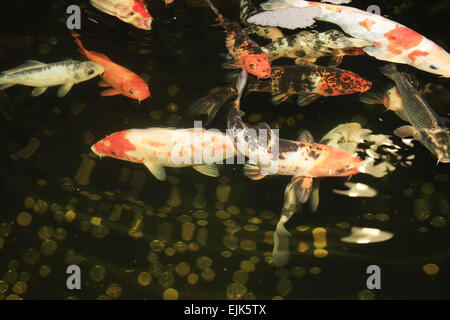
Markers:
<point>390,40</point>
<point>41,75</point>
<point>133,12</point>
<point>157,148</point>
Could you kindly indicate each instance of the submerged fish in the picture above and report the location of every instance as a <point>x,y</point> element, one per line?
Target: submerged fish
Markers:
<point>308,82</point>
<point>122,80</point>
<point>133,12</point>
<point>390,40</point>
<point>246,53</point>
<point>157,148</point>
<point>41,75</point>
<point>426,125</point>
<point>346,137</point>
<point>270,155</point>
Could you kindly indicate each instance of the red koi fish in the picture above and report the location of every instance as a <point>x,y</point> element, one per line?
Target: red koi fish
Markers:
<point>246,53</point>
<point>157,148</point>
<point>120,79</point>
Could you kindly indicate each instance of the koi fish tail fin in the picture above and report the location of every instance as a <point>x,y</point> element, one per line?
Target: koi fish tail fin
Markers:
<point>372,98</point>
<point>77,40</point>
<point>212,103</point>
<point>216,11</point>
<point>389,71</point>
<point>282,4</point>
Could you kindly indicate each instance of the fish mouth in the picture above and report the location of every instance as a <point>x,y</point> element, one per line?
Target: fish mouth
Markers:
<point>94,150</point>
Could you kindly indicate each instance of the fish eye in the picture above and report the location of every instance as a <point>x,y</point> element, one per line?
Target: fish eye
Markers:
<point>131,91</point>
<point>432,66</point>
<point>252,66</point>
<point>130,14</point>
<point>113,153</point>
<point>91,72</point>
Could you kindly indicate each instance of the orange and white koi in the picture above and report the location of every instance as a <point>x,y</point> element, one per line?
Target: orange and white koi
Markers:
<point>273,155</point>
<point>133,12</point>
<point>391,41</point>
<point>246,53</point>
<point>120,79</point>
<point>157,148</point>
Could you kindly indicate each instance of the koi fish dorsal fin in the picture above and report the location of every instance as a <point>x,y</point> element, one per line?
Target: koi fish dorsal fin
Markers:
<point>210,170</point>
<point>158,171</point>
<point>27,65</point>
<point>305,136</point>
<point>302,187</point>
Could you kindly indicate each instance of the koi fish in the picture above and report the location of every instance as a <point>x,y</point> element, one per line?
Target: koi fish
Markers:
<point>157,148</point>
<point>426,125</point>
<point>246,53</point>
<point>391,41</point>
<point>133,12</point>
<point>308,82</point>
<point>284,157</point>
<point>346,137</point>
<point>122,80</point>
<point>41,75</point>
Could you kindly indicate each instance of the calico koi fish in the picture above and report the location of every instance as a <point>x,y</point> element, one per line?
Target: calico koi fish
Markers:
<point>346,137</point>
<point>285,157</point>
<point>246,53</point>
<point>133,12</point>
<point>41,75</point>
<point>426,125</point>
<point>122,80</point>
<point>308,82</point>
<point>391,41</point>
<point>157,148</point>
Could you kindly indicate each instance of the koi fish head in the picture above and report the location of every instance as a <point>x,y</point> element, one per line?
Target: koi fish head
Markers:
<point>88,70</point>
<point>257,65</point>
<point>116,145</point>
<point>136,89</point>
<point>337,163</point>
<point>334,82</point>
<point>436,61</point>
<point>135,13</point>
<point>438,142</point>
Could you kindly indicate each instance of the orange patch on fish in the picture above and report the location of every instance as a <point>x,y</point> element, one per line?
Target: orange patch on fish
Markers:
<point>367,24</point>
<point>402,38</point>
<point>152,143</point>
<point>417,53</point>
<point>378,44</point>
<point>139,7</point>
<point>116,143</point>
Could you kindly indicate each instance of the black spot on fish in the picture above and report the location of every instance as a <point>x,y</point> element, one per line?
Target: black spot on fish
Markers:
<point>314,154</point>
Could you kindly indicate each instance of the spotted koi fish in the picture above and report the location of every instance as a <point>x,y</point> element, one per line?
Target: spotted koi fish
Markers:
<point>120,79</point>
<point>391,41</point>
<point>157,148</point>
<point>246,53</point>
<point>269,155</point>
<point>133,12</point>
<point>308,82</point>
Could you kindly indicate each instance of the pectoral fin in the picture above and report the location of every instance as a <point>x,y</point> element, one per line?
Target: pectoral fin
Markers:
<point>4,86</point>
<point>372,98</point>
<point>279,98</point>
<point>64,89</point>
<point>314,198</point>
<point>305,136</point>
<point>158,171</point>
<point>210,170</point>
<point>38,91</point>
<point>103,84</point>
<point>253,171</point>
<point>405,132</point>
<point>305,99</point>
<point>302,187</point>
<point>401,114</point>
<point>110,92</point>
